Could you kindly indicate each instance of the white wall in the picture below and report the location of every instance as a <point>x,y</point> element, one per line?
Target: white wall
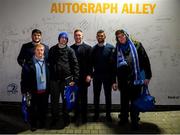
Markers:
<point>158,32</point>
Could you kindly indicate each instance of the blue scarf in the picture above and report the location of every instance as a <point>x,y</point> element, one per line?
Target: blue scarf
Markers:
<point>122,62</point>
<point>40,73</point>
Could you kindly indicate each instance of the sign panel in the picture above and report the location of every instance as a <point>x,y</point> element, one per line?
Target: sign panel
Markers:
<point>153,22</point>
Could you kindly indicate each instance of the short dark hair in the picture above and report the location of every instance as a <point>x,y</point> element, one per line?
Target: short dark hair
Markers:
<point>77,30</point>
<point>100,31</point>
<point>36,31</point>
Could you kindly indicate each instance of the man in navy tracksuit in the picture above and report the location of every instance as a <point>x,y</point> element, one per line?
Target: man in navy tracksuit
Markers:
<point>102,61</point>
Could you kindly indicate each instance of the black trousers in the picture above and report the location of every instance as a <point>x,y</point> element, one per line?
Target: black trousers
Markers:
<point>97,84</point>
<point>38,109</point>
<point>81,104</point>
<point>129,93</point>
<point>57,89</point>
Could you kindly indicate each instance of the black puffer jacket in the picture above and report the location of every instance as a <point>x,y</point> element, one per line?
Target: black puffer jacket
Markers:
<point>63,63</point>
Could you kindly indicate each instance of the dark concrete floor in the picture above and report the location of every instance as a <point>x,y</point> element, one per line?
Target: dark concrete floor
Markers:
<point>157,122</point>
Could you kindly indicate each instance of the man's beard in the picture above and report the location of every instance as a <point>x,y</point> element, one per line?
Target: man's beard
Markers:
<point>101,42</point>
<point>36,41</point>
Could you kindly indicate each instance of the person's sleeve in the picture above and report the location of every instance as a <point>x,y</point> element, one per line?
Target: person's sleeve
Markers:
<point>144,62</point>
<point>20,58</point>
<point>51,63</point>
<point>46,51</point>
<point>74,66</point>
<point>92,60</point>
<point>25,79</point>
<point>114,67</point>
<point>50,56</point>
<point>90,68</point>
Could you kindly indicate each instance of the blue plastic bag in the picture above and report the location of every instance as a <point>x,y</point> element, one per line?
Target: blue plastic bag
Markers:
<point>70,95</point>
<point>24,108</point>
<point>145,102</point>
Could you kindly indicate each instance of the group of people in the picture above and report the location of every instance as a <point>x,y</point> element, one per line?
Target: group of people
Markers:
<point>47,71</point>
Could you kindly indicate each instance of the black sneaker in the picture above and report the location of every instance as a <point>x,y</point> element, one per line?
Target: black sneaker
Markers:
<point>33,129</point>
<point>134,122</point>
<point>108,118</point>
<point>96,117</point>
<point>53,123</point>
<point>123,122</point>
<point>135,125</point>
<point>73,119</point>
<point>42,124</point>
<point>66,122</point>
<point>84,120</point>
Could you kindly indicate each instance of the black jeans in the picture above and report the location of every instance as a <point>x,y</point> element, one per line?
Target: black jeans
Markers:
<point>97,84</point>
<point>38,109</point>
<point>129,93</point>
<point>81,104</point>
<point>57,88</point>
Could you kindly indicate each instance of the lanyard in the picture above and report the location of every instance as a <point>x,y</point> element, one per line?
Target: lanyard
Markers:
<point>41,66</point>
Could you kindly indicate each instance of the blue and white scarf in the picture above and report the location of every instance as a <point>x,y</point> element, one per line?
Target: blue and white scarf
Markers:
<point>138,80</point>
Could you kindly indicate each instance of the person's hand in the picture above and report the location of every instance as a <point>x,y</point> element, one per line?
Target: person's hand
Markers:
<point>72,83</point>
<point>114,86</point>
<point>88,78</point>
<point>146,81</point>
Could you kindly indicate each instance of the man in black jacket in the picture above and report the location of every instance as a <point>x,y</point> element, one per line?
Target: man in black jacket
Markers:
<point>102,61</point>
<point>27,50</point>
<point>63,64</point>
<point>83,54</point>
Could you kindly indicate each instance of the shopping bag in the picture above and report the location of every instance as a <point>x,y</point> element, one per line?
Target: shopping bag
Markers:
<point>70,95</point>
<point>145,102</point>
<point>24,108</point>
